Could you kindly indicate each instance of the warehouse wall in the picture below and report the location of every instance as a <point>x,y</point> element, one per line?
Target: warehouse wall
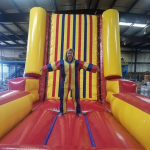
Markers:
<point>144,58</point>
<point>11,53</point>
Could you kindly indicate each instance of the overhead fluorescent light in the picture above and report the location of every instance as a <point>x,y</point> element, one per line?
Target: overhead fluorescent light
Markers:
<point>139,25</point>
<point>134,25</point>
<point>124,24</point>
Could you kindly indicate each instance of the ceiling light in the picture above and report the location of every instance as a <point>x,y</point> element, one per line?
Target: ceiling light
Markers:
<point>124,24</point>
<point>139,25</point>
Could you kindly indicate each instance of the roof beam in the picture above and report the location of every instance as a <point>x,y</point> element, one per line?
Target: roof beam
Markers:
<point>9,39</point>
<point>123,16</point>
<point>145,47</point>
<point>75,1</point>
<point>35,3</point>
<point>14,17</point>
<point>12,37</point>
<point>14,45</point>
<point>133,4</point>
<point>6,43</point>
<point>16,6</point>
<point>20,28</point>
<point>133,51</point>
<point>113,3</point>
<point>55,5</point>
<point>96,5</point>
<point>90,4</point>
<point>135,39</point>
<point>126,29</point>
<point>11,32</point>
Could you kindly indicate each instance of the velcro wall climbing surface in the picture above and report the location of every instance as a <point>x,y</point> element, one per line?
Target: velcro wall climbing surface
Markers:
<point>80,33</point>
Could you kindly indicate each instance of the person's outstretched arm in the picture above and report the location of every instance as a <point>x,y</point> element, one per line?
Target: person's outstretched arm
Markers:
<point>87,66</point>
<point>51,67</point>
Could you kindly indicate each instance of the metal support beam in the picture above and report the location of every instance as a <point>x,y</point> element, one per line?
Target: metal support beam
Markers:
<point>90,4</point>
<point>137,52</point>
<point>96,5</point>
<point>135,39</point>
<point>35,3</point>
<point>123,16</point>
<point>1,34</point>
<point>9,70</point>
<point>6,43</point>
<point>16,6</point>
<point>133,4</point>
<point>139,45</point>
<point>113,3</point>
<point>145,47</point>
<point>126,29</point>
<point>14,45</point>
<point>75,1</point>
<point>11,32</point>
<point>14,17</point>
<point>20,28</point>
<point>2,71</point>
<point>12,37</point>
<point>55,5</point>
<point>135,62</point>
<point>15,69</point>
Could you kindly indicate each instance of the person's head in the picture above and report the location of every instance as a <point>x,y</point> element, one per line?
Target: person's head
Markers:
<point>69,54</point>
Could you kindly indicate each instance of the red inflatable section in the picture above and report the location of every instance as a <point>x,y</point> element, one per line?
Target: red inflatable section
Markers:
<point>71,131</point>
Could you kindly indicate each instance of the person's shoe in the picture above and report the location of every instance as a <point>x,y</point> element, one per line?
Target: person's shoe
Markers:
<point>79,114</point>
<point>60,114</point>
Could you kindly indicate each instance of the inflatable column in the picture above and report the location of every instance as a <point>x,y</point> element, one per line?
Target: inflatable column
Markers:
<point>111,44</point>
<point>36,40</point>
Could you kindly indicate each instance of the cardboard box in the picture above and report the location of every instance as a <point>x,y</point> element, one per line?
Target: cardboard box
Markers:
<point>146,77</point>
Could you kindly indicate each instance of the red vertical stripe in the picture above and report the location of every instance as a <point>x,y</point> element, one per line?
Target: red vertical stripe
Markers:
<point>98,61</point>
<point>69,78</point>
<point>46,48</point>
<point>68,32</point>
<point>45,53</point>
<point>56,51</point>
<point>90,57</point>
<point>103,80</point>
<point>79,50</point>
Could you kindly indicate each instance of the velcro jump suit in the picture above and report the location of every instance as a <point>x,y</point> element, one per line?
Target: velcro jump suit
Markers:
<point>69,74</point>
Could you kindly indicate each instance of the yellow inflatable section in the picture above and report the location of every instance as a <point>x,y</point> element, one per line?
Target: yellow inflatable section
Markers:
<point>13,112</point>
<point>133,119</point>
<point>111,44</point>
<point>36,41</point>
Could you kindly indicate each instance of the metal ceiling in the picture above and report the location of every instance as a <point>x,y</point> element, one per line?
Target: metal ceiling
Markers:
<point>14,18</point>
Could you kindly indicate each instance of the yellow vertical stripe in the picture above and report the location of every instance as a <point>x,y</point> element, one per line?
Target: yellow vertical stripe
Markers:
<point>94,56</point>
<point>77,36</point>
<point>71,42</point>
<point>66,83</point>
<point>58,55</point>
<point>82,55</point>
<point>73,82</point>
<point>71,31</point>
<point>87,56</point>
<point>65,35</point>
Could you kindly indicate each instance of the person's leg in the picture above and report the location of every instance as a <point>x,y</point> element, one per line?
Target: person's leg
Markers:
<point>63,97</point>
<point>75,97</point>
